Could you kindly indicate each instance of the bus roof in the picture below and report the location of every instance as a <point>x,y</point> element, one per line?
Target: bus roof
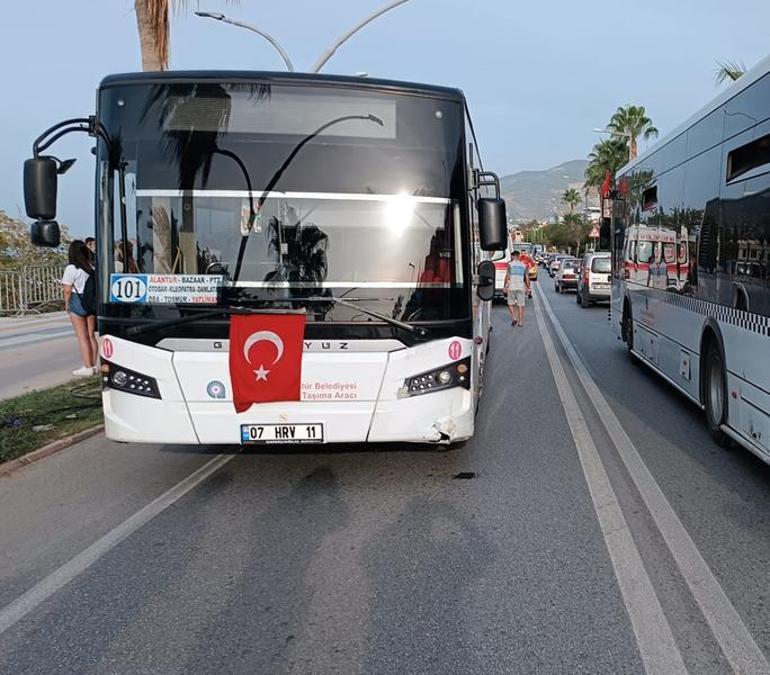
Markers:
<point>284,78</point>
<point>743,82</point>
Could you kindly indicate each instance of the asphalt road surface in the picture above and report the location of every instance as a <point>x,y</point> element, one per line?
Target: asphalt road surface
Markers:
<point>36,352</point>
<point>590,526</point>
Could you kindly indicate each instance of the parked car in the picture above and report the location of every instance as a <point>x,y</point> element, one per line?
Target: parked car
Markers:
<point>594,281</point>
<point>566,276</point>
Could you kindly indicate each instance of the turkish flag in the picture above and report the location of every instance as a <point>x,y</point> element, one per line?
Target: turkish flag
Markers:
<point>606,185</point>
<point>265,358</point>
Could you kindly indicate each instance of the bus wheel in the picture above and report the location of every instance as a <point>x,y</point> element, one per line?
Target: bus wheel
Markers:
<point>628,334</point>
<point>715,393</point>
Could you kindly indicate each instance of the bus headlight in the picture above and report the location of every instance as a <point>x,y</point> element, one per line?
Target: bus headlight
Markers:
<point>122,379</point>
<point>455,374</point>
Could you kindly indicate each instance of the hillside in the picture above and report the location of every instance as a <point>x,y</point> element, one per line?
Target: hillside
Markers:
<point>537,194</point>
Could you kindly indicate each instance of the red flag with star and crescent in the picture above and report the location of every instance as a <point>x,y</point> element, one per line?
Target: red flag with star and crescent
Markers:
<point>606,185</point>
<point>265,358</point>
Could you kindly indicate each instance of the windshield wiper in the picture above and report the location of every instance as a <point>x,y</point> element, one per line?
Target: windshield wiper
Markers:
<point>350,304</point>
<point>419,331</point>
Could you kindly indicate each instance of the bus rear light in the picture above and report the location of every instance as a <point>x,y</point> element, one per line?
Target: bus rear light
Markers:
<point>122,379</point>
<point>453,375</point>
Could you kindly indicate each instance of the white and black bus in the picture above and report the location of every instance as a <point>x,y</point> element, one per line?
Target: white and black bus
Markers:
<point>691,260</point>
<point>359,203</point>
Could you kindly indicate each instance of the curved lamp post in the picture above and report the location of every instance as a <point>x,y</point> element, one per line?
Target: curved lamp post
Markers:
<point>346,36</point>
<point>218,16</point>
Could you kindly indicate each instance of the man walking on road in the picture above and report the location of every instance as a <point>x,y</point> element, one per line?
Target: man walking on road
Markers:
<point>517,287</point>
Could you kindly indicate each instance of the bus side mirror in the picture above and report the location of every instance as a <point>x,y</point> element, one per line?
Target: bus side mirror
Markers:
<point>486,285</point>
<point>493,224</point>
<point>40,181</point>
<point>46,233</point>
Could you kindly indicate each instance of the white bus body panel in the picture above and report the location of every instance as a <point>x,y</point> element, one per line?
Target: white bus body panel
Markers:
<point>355,394</point>
<point>668,330</point>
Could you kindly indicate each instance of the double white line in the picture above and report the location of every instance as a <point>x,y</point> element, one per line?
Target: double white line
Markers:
<point>657,647</point>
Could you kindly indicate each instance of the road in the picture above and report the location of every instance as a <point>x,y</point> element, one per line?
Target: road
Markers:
<point>36,352</point>
<point>577,542</point>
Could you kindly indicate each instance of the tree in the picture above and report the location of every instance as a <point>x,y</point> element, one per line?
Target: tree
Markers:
<point>607,156</point>
<point>729,70</point>
<point>16,249</point>
<point>152,21</point>
<point>571,197</point>
<point>629,123</point>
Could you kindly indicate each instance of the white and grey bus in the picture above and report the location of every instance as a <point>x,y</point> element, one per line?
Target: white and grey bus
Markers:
<point>360,202</point>
<point>691,254</point>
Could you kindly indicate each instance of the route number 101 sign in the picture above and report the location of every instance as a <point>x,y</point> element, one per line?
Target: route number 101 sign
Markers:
<point>165,288</point>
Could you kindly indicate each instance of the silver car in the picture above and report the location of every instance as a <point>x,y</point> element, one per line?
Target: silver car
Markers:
<point>594,282</point>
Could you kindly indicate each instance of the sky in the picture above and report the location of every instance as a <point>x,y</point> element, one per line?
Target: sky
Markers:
<point>539,76</point>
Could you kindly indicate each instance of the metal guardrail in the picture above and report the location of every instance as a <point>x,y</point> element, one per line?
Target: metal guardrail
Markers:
<point>30,290</point>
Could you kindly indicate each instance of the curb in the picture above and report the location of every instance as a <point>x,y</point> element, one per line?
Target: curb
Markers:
<point>47,450</point>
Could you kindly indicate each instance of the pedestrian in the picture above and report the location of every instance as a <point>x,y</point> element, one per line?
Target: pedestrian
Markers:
<point>82,316</point>
<point>516,286</point>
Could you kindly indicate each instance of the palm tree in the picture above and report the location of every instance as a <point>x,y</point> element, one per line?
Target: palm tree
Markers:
<point>152,20</point>
<point>629,122</point>
<point>571,197</point>
<point>607,156</point>
<point>729,70</point>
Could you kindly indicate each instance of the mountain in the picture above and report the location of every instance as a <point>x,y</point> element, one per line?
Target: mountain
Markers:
<point>537,194</point>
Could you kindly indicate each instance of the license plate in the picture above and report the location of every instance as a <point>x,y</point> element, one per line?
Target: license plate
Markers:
<point>602,287</point>
<point>282,433</point>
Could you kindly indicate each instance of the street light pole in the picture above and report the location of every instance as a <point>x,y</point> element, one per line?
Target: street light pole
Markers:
<point>218,16</point>
<point>346,36</point>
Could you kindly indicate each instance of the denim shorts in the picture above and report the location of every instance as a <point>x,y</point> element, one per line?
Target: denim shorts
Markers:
<point>76,305</point>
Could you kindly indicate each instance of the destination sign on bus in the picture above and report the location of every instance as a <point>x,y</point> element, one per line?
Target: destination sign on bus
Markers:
<point>165,288</point>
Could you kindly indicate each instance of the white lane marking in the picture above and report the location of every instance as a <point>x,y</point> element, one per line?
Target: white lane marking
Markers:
<point>6,343</point>
<point>11,325</point>
<point>60,577</point>
<point>734,638</point>
<point>654,638</point>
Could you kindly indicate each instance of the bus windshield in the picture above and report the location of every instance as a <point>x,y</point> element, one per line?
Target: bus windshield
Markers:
<point>308,188</point>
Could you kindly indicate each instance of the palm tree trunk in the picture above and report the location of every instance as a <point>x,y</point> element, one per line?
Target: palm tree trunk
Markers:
<point>152,22</point>
<point>632,148</point>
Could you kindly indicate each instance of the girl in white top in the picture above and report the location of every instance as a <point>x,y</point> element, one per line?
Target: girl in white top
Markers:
<point>74,282</point>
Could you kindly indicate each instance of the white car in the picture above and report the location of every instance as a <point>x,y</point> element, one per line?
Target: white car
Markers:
<point>566,277</point>
<point>594,282</point>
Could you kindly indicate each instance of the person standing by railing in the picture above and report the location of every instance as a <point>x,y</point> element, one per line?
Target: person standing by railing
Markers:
<point>79,297</point>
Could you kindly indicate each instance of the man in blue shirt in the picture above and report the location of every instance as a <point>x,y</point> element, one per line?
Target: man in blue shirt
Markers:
<point>516,286</point>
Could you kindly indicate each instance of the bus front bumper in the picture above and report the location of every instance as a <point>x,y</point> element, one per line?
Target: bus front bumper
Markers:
<point>440,417</point>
